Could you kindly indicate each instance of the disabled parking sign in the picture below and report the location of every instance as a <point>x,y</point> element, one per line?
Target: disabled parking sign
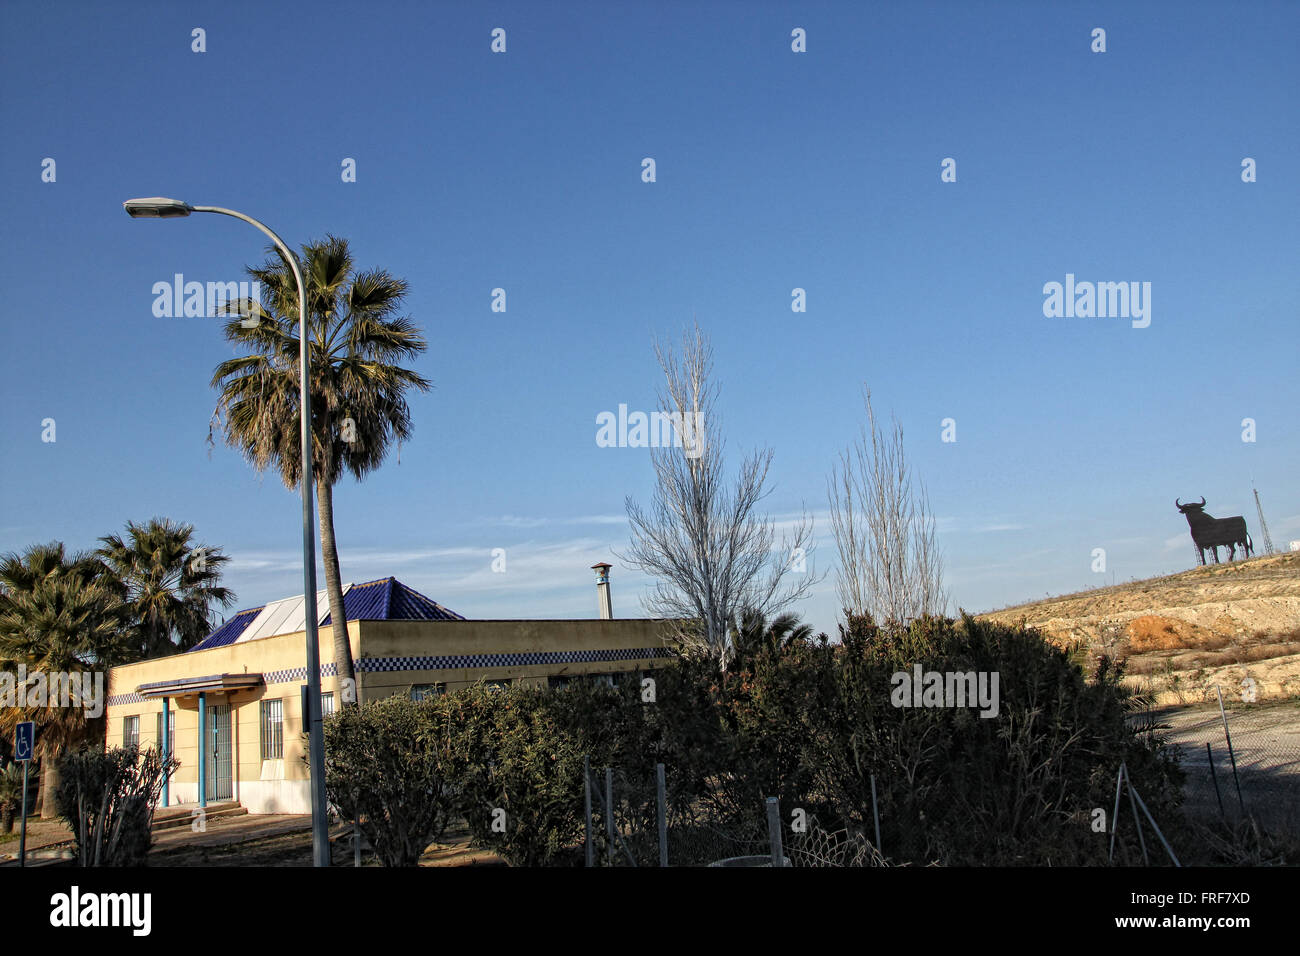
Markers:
<point>24,740</point>
<point>24,744</point>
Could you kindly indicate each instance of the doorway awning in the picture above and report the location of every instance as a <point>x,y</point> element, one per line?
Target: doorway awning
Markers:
<point>189,686</point>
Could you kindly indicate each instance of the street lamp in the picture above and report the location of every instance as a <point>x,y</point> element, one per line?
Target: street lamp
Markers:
<point>159,208</point>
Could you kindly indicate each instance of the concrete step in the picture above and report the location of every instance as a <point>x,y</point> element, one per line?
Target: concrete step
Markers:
<point>170,818</point>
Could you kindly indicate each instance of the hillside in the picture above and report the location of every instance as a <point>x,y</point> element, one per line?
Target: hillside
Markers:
<point>1187,632</point>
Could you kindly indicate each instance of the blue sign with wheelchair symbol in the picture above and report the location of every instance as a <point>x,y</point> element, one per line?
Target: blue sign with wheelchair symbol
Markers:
<point>24,740</point>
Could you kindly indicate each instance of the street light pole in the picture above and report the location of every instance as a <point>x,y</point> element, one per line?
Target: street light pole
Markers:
<point>159,208</point>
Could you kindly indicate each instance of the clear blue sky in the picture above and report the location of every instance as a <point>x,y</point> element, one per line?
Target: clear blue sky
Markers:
<point>775,170</point>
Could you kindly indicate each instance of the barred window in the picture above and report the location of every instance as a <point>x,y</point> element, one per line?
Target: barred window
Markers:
<point>272,729</point>
<point>131,731</point>
<point>171,732</point>
<point>326,704</point>
<point>424,691</point>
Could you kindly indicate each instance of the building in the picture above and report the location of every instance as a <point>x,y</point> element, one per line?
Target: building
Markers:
<point>233,705</point>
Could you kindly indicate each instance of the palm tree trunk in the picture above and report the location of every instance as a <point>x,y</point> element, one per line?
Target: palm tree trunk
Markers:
<point>49,786</point>
<point>334,589</point>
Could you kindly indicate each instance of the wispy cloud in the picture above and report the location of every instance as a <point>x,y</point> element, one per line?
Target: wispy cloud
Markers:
<point>951,524</point>
<point>520,521</point>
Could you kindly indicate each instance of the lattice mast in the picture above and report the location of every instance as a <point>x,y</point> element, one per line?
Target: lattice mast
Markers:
<point>1263,528</point>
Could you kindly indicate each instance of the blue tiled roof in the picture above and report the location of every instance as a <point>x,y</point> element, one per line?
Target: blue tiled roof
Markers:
<point>387,599</point>
<point>229,632</point>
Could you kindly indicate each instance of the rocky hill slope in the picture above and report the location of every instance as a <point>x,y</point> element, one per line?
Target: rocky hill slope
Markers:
<point>1227,625</point>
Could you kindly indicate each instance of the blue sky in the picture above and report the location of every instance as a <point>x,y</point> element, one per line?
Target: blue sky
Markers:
<point>775,170</point>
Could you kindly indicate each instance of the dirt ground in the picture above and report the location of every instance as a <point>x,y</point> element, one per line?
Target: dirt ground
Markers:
<point>287,842</point>
<point>251,840</point>
<point>40,834</point>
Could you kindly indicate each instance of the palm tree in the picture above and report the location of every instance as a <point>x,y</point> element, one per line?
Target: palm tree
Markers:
<point>358,391</point>
<point>752,634</point>
<point>171,583</point>
<point>59,614</point>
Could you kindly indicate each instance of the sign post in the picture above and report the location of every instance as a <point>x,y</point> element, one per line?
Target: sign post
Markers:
<point>24,743</point>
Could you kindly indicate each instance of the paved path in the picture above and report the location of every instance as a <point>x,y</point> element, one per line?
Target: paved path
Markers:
<point>232,830</point>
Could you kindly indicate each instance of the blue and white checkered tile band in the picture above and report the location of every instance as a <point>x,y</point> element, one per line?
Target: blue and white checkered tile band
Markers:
<point>117,700</point>
<point>296,675</point>
<point>456,662</point>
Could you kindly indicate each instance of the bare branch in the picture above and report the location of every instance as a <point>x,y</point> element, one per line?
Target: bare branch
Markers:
<point>890,565</point>
<point>703,540</point>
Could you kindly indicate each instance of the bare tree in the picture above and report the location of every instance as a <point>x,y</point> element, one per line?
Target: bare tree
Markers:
<point>711,553</point>
<point>890,566</point>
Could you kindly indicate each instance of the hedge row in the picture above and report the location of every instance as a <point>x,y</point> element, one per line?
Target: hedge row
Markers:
<point>808,721</point>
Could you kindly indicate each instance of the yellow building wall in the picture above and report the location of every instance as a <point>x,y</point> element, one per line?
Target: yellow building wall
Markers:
<point>387,645</point>
<point>393,656</point>
<point>272,785</point>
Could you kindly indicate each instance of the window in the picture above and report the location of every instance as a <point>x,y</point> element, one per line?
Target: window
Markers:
<point>272,729</point>
<point>326,704</point>
<point>424,691</point>
<point>171,732</point>
<point>131,731</point>
<point>559,682</point>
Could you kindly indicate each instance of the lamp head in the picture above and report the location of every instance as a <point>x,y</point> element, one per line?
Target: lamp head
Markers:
<point>157,207</point>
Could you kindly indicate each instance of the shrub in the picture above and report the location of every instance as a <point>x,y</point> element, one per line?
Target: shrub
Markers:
<point>507,753</point>
<point>383,765</point>
<point>108,799</point>
<point>11,794</point>
<point>520,750</point>
<point>951,786</point>
<point>804,720</point>
<point>680,727</point>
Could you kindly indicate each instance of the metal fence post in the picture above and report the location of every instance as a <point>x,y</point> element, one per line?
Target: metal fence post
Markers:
<point>1214,777</point>
<point>1114,817</point>
<point>1231,755</point>
<point>774,831</point>
<point>661,788</point>
<point>586,805</point>
<point>609,816</point>
<point>875,813</point>
<point>1142,803</point>
<point>1137,821</point>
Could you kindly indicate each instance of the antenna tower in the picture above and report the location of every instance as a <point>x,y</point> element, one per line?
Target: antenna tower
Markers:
<point>1263,528</point>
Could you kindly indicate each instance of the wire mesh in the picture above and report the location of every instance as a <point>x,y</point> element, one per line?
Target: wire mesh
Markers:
<point>817,847</point>
<point>1265,783</point>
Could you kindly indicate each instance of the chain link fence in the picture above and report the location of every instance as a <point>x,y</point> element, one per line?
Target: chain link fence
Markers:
<point>627,827</point>
<point>1242,767</point>
<point>1242,762</point>
<point>634,818</point>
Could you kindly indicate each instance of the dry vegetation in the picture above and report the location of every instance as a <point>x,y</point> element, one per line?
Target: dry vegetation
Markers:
<point>1183,634</point>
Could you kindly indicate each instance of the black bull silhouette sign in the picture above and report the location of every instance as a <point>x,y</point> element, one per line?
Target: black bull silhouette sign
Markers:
<point>1215,533</point>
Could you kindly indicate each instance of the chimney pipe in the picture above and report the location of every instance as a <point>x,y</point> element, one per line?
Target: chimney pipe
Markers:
<point>602,591</point>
